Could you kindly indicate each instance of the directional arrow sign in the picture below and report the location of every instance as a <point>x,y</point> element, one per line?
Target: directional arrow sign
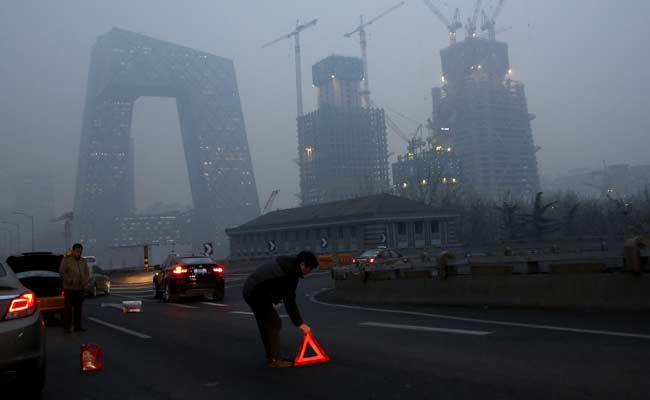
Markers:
<point>323,243</point>
<point>208,249</point>
<point>271,246</point>
<point>383,238</point>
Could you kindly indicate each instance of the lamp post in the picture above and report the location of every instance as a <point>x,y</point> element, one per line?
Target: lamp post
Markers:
<point>10,240</point>
<point>32,218</point>
<point>17,230</point>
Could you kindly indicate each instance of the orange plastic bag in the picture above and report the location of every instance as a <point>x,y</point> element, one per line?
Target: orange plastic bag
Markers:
<point>91,357</point>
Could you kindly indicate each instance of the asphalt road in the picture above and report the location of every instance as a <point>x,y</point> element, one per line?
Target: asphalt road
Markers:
<point>197,350</point>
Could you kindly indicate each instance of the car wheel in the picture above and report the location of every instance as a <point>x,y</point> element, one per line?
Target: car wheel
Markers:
<point>218,294</point>
<point>168,297</point>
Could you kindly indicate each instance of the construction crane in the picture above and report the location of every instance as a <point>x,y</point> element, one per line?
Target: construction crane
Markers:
<point>414,141</point>
<point>270,201</point>
<point>496,31</point>
<point>296,36</point>
<point>361,30</point>
<point>67,230</point>
<point>488,23</point>
<point>452,26</point>
<point>470,26</point>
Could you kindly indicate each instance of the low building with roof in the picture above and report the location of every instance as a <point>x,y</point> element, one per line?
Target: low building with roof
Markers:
<point>347,226</point>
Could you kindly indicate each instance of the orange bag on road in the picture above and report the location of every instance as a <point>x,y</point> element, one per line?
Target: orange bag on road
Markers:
<point>91,357</point>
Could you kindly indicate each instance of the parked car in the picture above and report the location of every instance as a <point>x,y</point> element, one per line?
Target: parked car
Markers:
<point>189,276</point>
<point>22,338</point>
<point>39,272</point>
<point>99,282</point>
<point>379,257</point>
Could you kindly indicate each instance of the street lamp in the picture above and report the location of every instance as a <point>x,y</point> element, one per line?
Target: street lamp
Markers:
<point>17,230</point>
<point>10,240</point>
<point>32,218</point>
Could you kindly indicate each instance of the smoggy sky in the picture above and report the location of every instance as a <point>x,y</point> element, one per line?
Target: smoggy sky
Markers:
<point>584,63</point>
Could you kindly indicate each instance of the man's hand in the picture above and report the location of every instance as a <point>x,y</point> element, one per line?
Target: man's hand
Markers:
<point>305,328</point>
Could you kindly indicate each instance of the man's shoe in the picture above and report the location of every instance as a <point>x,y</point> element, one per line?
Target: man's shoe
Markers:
<point>280,363</point>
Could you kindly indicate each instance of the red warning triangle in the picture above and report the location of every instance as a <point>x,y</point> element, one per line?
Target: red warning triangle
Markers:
<point>320,356</point>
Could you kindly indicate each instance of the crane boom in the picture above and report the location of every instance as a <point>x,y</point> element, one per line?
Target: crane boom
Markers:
<point>497,10</point>
<point>296,36</point>
<point>270,201</point>
<point>363,25</point>
<point>452,26</point>
<point>470,27</point>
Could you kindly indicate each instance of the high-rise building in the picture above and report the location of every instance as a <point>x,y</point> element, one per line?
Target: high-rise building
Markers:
<point>342,146</point>
<point>486,116</point>
<point>125,66</point>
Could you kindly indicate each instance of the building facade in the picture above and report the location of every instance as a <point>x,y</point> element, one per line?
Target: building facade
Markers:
<point>125,66</point>
<point>342,146</point>
<point>347,226</point>
<point>486,115</point>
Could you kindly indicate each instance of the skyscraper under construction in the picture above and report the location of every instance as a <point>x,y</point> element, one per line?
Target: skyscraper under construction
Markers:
<point>342,146</point>
<point>485,114</point>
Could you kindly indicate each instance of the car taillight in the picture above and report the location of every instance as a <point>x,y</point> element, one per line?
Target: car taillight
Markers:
<point>218,269</point>
<point>22,306</point>
<point>179,270</point>
<point>354,261</point>
<point>372,261</point>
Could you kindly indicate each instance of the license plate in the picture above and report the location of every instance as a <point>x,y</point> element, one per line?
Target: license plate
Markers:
<point>201,271</point>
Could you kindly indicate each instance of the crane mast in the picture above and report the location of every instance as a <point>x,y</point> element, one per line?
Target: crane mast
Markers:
<point>296,35</point>
<point>363,42</point>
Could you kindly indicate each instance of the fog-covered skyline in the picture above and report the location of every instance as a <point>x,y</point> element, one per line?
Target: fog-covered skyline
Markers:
<point>583,63</point>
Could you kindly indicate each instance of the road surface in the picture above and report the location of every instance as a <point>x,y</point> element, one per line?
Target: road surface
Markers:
<point>201,350</point>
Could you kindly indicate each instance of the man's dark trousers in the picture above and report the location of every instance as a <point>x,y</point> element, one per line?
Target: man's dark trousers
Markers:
<point>269,324</point>
<point>73,301</point>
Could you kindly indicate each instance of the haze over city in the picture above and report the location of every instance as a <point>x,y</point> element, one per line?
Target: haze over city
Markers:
<point>583,64</point>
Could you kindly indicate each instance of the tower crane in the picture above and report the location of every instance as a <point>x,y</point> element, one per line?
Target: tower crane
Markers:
<point>452,26</point>
<point>270,201</point>
<point>296,35</point>
<point>488,23</point>
<point>496,31</point>
<point>361,30</point>
<point>470,26</point>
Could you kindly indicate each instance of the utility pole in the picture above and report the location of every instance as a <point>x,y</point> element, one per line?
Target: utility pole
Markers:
<point>32,218</point>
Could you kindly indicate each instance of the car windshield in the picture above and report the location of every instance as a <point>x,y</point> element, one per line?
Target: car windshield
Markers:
<point>196,261</point>
<point>369,253</point>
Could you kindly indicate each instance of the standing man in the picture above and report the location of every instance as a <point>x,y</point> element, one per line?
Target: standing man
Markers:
<point>75,276</point>
<point>269,285</point>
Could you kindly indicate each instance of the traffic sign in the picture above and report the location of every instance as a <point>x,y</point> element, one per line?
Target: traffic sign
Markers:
<point>383,238</point>
<point>208,249</point>
<point>323,243</point>
<point>319,357</point>
<point>271,246</point>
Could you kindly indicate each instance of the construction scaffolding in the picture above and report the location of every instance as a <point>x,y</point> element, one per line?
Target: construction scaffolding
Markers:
<point>342,147</point>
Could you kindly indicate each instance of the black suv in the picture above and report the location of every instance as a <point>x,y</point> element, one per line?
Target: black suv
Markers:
<point>189,276</point>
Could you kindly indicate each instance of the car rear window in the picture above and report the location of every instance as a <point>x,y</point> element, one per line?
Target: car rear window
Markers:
<point>196,260</point>
<point>369,253</point>
<point>35,262</point>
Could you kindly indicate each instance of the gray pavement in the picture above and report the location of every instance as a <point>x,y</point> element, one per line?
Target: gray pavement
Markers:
<point>198,350</point>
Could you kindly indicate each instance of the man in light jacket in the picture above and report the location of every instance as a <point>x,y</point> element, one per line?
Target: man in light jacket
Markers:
<point>75,275</point>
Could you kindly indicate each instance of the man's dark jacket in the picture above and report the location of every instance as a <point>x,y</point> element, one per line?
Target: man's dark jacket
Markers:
<point>274,282</point>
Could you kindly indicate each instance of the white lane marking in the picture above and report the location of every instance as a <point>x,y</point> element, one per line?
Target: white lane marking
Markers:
<point>232,286</point>
<point>120,328</point>
<point>426,328</point>
<point>215,304</point>
<point>182,306</point>
<point>481,321</point>
<point>143,298</point>
<point>250,313</point>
